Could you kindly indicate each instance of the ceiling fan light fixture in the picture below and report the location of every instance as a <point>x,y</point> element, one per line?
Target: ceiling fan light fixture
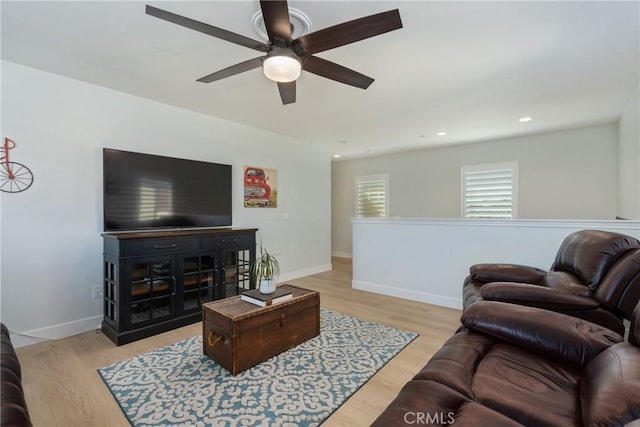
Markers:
<point>287,50</point>
<point>282,67</point>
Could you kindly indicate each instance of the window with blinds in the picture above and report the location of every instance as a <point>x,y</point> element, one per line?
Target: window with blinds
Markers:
<point>490,191</point>
<point>372,196</point>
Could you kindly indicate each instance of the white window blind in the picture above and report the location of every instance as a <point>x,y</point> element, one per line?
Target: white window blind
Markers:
<point>372,196</point>
<point>490,191</point>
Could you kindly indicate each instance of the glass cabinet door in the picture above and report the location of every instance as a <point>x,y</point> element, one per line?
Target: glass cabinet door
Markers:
<point>153,287</point>
<point>236,277</point>
<point>198,282</point>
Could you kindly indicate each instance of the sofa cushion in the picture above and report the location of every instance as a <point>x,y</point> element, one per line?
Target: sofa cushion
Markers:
<point>531,389</point>
<point>474,414</point>
<point>455,363</point>
<point>430,403</point>
<point>509,386</point>
<point>566,282</point>
<point>610,387</point>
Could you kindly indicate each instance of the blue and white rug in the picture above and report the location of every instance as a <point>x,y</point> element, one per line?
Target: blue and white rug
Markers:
<point>178,385</point>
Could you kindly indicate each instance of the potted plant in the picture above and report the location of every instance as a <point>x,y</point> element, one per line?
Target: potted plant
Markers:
<point>264,270</point>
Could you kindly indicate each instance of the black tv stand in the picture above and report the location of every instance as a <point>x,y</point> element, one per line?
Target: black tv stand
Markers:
<point>157,281</point>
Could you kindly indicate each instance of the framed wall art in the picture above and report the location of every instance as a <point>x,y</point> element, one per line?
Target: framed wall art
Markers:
<point>260,187</point>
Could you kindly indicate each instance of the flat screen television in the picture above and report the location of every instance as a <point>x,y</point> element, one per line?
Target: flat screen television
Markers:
<point>144,191</point>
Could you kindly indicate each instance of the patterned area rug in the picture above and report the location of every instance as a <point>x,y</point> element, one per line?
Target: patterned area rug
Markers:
<point>178,385</point>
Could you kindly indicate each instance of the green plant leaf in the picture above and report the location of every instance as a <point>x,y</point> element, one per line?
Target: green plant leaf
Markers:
<point>265,266</point>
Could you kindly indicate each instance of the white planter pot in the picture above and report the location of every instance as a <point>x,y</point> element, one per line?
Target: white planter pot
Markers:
<point>267,286</point>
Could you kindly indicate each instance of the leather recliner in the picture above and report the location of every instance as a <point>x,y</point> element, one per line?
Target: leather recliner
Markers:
<point>512,365</point>
<point>595,276</point>
<point>13,408</point>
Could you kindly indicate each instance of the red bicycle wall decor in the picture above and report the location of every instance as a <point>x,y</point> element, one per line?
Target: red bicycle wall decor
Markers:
<point>14,177</point>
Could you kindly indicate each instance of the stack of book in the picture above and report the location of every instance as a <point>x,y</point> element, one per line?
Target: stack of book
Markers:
<point>264,300</point>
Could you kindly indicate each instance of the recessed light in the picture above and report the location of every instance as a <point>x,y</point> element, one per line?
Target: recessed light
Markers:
<point>441,133</point>
<point>525,119</point>
<point>335,156</point>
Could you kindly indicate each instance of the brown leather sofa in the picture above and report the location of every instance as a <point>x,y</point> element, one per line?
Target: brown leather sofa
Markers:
<point>595,276</point>
<point>513,365</point>
<point>13,408</point>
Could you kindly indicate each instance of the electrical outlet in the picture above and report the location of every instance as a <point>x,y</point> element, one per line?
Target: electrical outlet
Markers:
<point>97,292</point>
<point>387,269</point>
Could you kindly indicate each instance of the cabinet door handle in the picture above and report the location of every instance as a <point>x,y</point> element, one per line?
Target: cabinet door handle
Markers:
<point>173,279</point>
<point>230,241</point>
<point>173,245</point>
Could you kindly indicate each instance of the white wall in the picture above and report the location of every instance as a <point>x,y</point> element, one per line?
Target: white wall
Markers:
<point>427,260</point>
<point>51,243</point>
<point>570,174</point>
<point>629,160</point>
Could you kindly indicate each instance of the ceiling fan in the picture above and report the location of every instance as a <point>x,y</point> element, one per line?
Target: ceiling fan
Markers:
<point>285,57</point>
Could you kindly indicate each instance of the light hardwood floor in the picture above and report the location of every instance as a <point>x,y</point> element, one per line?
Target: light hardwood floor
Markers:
<point>63,388</point>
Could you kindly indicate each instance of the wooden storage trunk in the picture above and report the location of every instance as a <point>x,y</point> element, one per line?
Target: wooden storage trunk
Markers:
<point>239,335</point>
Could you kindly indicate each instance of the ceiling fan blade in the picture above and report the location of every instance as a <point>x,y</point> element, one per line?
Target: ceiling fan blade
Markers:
<point>333,71</point>
<point>276,21</point>
<point>348,32</point>
<point>287,92</point>
<point>233,70</point>
<point>207,29</point>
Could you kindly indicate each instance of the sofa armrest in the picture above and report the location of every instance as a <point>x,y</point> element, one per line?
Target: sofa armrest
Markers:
<point>564,338</point>
<point>485,273</point>
<point>13,407</point>
<point>536,296</point>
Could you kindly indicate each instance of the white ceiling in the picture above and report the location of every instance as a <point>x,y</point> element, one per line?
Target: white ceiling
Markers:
<point>468,68</point>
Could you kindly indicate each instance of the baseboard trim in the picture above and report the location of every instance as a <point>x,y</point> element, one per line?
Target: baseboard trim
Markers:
<point>64,330</point>
<point>55,332</point>
<point>342,254</point>
<point>408,294</point>
<point>305,272</point>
